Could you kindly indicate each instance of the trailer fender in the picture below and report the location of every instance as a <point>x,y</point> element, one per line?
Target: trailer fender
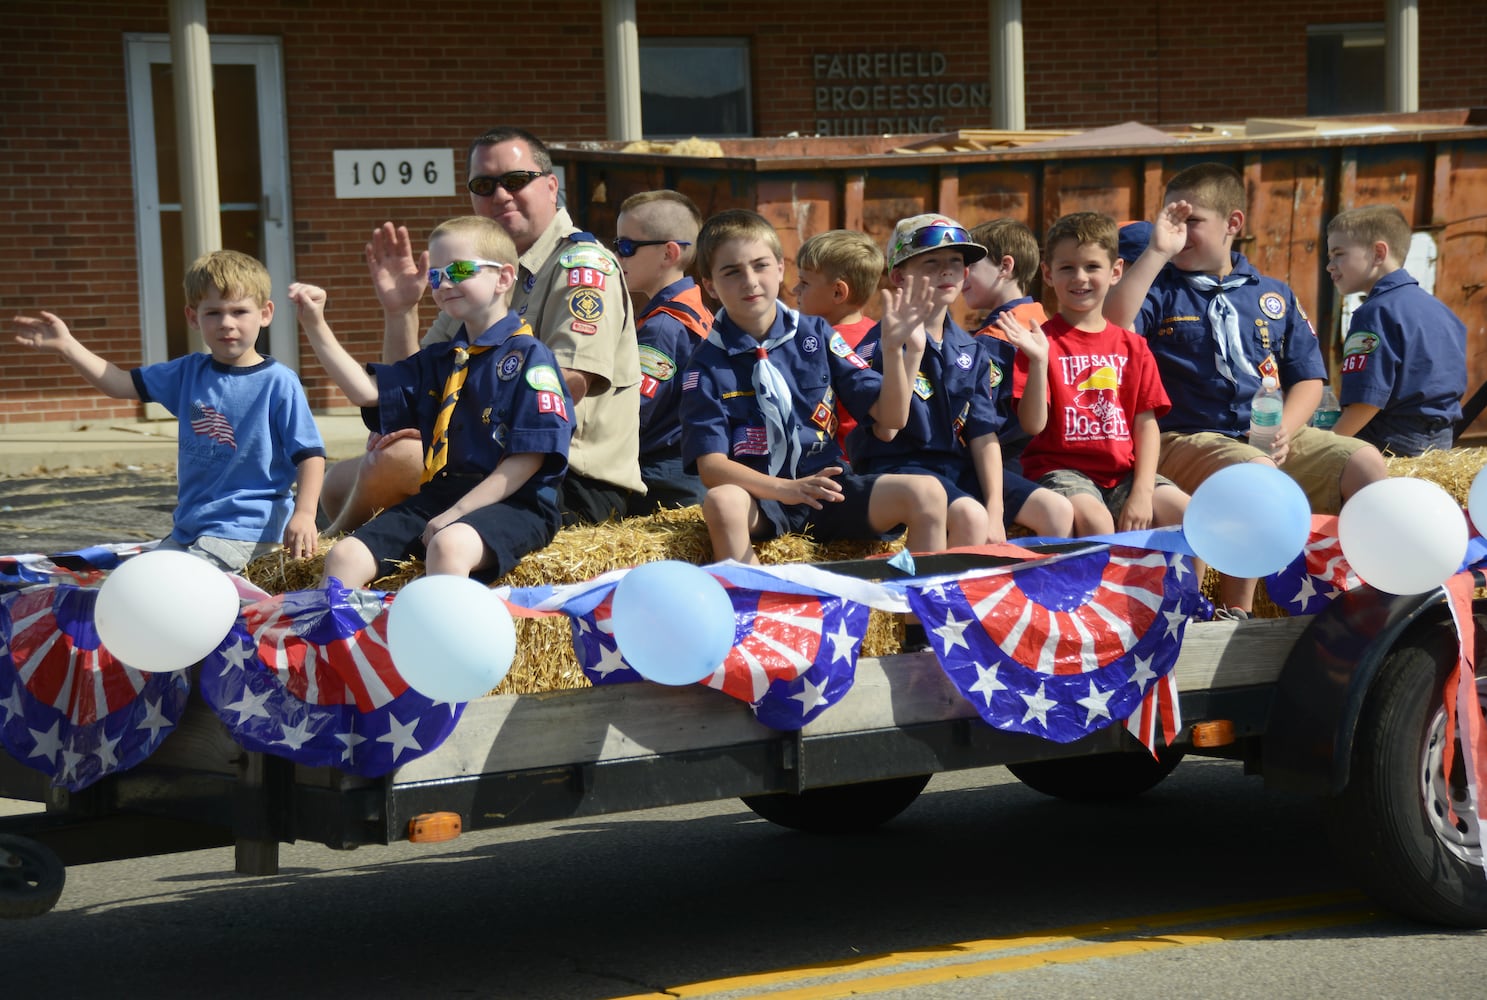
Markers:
<point>1319,696</point>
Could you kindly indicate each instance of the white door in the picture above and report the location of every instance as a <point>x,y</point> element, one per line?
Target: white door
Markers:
<point>252,174</point>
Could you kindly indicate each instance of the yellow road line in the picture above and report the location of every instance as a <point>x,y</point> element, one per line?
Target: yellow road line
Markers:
<point>1067,947</point>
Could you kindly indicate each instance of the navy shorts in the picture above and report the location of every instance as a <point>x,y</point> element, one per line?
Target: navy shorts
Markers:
<point>845,519</point>
<point>509,529</point>
<point>964,483</point>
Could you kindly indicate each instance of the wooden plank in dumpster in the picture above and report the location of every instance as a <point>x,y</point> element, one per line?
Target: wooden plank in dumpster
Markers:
<point>1433,165</point>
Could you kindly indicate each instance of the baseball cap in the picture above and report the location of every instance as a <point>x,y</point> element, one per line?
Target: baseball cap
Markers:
<point>922,233</point>
<point>1134,236</point>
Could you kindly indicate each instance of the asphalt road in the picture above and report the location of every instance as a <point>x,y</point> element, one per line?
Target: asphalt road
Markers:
<point>1205,887</point>
<point>50,514</point>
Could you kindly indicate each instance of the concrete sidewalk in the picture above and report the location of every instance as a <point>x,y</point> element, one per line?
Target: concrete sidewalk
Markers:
<point>110,443</point>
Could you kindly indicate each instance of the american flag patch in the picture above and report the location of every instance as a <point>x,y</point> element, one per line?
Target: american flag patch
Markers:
<point>751,441</point>
<point>211,424</point>
<point>689,380</point>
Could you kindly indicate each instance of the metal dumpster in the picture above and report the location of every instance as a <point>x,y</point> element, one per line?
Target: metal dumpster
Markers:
<point>1299,172</point>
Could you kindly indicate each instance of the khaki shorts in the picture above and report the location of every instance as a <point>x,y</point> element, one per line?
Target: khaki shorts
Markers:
<point>1315,461</point>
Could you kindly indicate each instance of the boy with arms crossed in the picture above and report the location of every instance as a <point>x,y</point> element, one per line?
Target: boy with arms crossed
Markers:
<point>1089,391</point>
<point>490,407</point>
<point>245,429</point>
<point>758,410</point>
<point>1404,360</point>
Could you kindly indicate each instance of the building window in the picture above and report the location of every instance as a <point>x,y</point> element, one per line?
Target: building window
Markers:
<point>695,86</point>
<point>1345,69</point>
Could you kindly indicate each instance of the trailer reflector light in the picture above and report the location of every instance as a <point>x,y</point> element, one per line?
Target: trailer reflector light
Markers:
<point>1214,733</point>
<point>431,828</point>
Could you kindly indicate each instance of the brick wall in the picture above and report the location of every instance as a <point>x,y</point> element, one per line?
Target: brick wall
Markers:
<point>360,75</point>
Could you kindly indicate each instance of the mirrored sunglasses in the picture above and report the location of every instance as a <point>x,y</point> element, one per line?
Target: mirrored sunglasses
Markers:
<point>513,181</point>
<point>626,247</point>
<point>935,236</point>
<point>458,270</point>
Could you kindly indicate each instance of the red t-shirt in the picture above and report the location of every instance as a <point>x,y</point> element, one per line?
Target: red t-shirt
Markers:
<point>1097,384</point>
<point>852,333</point>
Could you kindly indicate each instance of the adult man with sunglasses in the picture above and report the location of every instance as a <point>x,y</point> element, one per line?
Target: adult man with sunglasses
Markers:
<point>569,289</point>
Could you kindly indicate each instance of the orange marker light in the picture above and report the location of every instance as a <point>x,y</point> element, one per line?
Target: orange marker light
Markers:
<point>431,828</point>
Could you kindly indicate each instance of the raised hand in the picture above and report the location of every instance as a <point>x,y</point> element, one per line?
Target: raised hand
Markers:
<point>1030,340</point>
<point>1169,231</point>
<point>398,277</point>
<point>310,300</point>
<point>905,308</point>
<point>48,333</point>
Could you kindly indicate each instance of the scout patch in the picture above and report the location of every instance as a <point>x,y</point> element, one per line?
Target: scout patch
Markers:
<point>824,417</point>
<point>579,326</point>
<point>552,402</point>
<point>1301,311</point>
<point>963,361</point>
<point>922,387</point>
<point>509,367</point>
<point>995,375</point>
<point>842,349</point>
<point>498,435</point>
<point>1273,305</point>
<point>544,378</point>
<point>1356,349</point>
<point>959,425</point>
<point>586,305</point>
<point>586,277</point>
<point>751,441</point>
<point>587,257</point>
<point>1269,369</point>
<point>656,363</point>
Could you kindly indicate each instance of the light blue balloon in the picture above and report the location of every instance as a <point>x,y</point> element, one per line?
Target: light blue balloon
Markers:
<point>451,638</point>
<point>673,622</point>
<point>1248,520</point>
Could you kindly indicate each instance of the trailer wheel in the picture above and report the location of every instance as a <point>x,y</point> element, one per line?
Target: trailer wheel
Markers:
<point>31,877</point>
<point>1106,777</point>
<point>1391,824</point>
<point>841,808</point>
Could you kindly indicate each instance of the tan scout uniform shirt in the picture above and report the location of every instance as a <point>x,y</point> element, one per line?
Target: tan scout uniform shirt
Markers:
<point>574,297</point>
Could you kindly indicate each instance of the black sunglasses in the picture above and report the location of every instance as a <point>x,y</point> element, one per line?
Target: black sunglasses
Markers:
<point>626,247</point>
<point>513,181</point>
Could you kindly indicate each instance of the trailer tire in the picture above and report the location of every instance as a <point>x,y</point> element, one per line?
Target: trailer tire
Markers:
<point>840,808</point>
<point>1390,824</point>
<point>1106,777</point>
<point>31,877</point>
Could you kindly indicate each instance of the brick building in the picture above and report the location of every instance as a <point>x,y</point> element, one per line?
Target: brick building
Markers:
<point>89,192</point>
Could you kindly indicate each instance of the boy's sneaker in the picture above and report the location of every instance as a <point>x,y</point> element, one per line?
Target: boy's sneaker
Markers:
<point>1231,615</point>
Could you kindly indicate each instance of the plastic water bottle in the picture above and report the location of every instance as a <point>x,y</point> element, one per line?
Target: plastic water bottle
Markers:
<point>1264,414</point>
<point>1328,410</point>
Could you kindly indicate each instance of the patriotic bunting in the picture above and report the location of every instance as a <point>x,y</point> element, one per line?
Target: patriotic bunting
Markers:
<point>1064,646</point>
<point>1318,573</point>
<point>307,675</point>
<point>794,653</point>
<point>67,707</point>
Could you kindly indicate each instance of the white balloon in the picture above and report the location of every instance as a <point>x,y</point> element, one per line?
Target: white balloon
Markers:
<point>450,637</point>
<point>164,610</point>
<point>1403,535</point>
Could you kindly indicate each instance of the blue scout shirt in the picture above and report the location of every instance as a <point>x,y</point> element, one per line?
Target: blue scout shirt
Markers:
<point>1406,354</point>
<point>513,401</point>
<point>1278,339</point>
<point>953,403</point>
<point>721,416</point>
<point>666,345</point>
<point>242,433</point>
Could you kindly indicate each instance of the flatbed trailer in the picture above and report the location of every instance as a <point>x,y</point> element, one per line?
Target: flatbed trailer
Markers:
<point>1345,704</point>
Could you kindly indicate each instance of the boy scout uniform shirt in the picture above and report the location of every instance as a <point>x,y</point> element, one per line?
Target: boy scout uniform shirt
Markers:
<point>1406,354</point>
<point>513,402</point>
<point>1278,340</point>
<point>666,345</point>
<point>953,403</point>
<point>574,297</point>
<point>720,414</point>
